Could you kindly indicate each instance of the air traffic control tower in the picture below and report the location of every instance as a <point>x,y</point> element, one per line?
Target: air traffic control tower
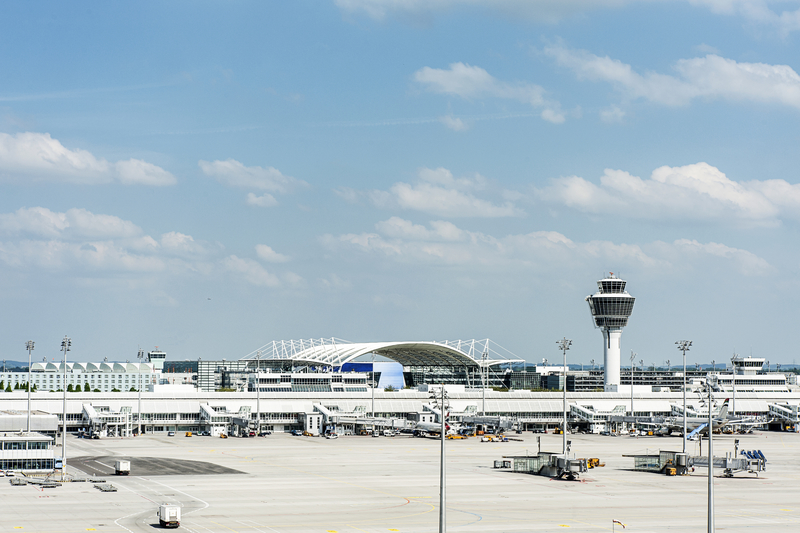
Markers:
<point>611,307</point>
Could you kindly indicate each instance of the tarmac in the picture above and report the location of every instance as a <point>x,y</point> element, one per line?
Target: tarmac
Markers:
<point>287,484</point>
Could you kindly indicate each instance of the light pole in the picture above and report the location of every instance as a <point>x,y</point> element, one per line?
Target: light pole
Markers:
<point>258,393</point>
<point>140,356</point>
<point>443,408</point>
<point>564,345</point>
<point>710,459</point>
<point>633,363</point>
<point>65,345</point>
<point>29,347</point>
<point>372,383</point>
<point>683,346</point>
<point>484,355</point>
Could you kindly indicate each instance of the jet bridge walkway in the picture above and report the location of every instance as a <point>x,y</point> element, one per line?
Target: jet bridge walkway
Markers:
<point>786,413</point>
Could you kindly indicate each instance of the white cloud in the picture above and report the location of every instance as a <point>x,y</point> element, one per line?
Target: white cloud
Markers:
<point>540,251</point>
<point>265,200</point>
<point>697,191</point>
<point>73,224</point>
<point>251,271</point>
<point>552,11</point>
<point>549,11</point>
<point>138,172</point>
<point>471,82</point>
<point>612,114</point>
<point>38,157</point>
<point>351,196</point>
<point>89,245</point>
<point>710,77</point>
<point>265,253</point>
<point>234,174</point>
<point>335,283</point>
<point>756,11</point>
<point>404,229</point>
<point>90,256</point>
<point>438,192</point>
<point>180,244</point>
<point>453,123</point>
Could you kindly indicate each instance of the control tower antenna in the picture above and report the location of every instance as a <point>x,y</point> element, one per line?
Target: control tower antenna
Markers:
<point>611,306</point>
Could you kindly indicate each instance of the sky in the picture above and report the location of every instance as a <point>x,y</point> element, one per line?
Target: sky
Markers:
<point>207,177</point>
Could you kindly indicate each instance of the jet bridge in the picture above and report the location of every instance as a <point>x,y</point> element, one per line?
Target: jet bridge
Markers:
<point>786,413</point>
<point>555,465</point>
<point>672,463</point>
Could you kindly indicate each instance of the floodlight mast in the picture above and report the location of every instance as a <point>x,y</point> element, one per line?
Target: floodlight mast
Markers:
<point>611,306</point>
<point>484,368</point>
<point>683,346</point>
<point>633,363</point>
<point>443,407</point>
<point>710,457</point>
<point>140,356</point>
<point>258,393</point>
<point>29,347</point>
<point>564,345</point>
<point>65,345</point>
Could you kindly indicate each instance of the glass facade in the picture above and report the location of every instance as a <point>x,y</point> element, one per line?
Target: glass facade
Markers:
<point>611,311</point>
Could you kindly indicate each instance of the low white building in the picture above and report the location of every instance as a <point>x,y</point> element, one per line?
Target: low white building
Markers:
<point>29,452</point>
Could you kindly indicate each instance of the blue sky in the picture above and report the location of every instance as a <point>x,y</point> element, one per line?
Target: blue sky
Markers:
<point>207,177</point>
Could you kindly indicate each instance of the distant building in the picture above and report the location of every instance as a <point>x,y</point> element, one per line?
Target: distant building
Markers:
<point>105,376</point>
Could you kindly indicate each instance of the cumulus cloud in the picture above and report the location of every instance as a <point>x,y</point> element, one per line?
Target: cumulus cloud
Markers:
<point>265,253</point>
<point>453,123</point>
<point>80,242</point>
<point>439,193</point>
<point>696,191</point>
<point>540,251</point>
<point>709,77</point>
<point>612,114</point>
<point>72,224</point>
<point>265,200</point>
<point>234,174</point>
<point>471,82</point>
<point>38,157</point>
<point>551,11</point>
<point>756,11</point>
<point>136,171</point>
<point>440,230</point>
<point>94,256</point>
<point>251,271</point>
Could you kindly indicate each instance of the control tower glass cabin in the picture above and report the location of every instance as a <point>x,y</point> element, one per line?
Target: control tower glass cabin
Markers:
<point>611,306</point>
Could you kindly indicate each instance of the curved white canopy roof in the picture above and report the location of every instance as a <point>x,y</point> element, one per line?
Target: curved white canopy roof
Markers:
<point>335,352</point>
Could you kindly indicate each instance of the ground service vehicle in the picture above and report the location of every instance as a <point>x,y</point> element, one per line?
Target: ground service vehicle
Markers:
<point>169,515</point>
<point>122,468</point>
<point>188,433</point>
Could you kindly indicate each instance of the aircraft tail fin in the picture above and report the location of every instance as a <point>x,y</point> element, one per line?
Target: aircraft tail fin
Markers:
<point>723,412</point>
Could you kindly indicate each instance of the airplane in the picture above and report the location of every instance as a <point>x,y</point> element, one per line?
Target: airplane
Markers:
<point>694,422</point>
<point>434,428</point>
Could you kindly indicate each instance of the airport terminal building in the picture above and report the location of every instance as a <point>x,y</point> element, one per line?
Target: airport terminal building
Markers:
<point>306,385</point>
